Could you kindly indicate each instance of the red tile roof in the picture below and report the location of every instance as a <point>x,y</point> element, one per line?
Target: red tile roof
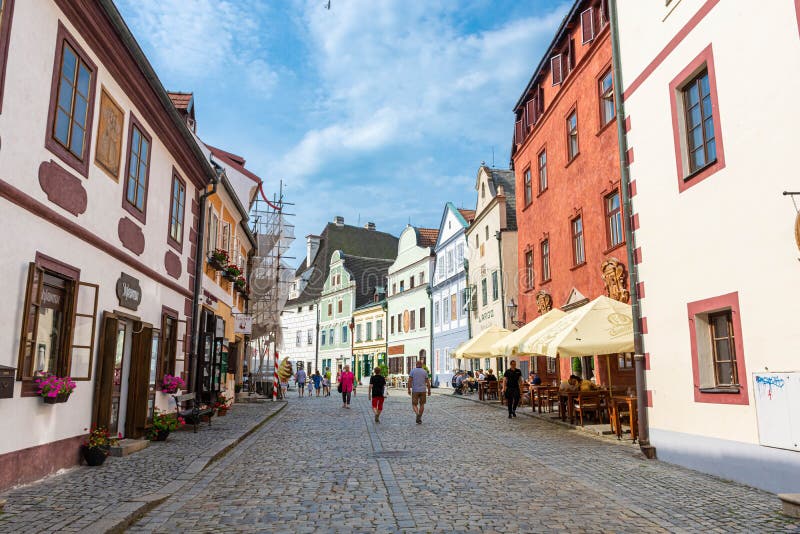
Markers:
<point>181,101</point>
<point>237,162</point>
<point>469,215</point>
<point>426,237</point>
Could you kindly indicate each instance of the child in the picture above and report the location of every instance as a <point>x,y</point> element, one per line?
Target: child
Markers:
<point>310,387</point>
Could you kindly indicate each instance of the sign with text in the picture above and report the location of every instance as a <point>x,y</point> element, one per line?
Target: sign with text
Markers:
<point>243,324</point>
<point>129,292</point>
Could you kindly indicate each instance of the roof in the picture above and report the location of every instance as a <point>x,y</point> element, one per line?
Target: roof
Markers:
<point>181,101</point>
<point>507,180</point>
<point>237,162</point>
<point>426,237</point>
<point>351,240</point>
<point>469,215</point>
<point>368,274</point>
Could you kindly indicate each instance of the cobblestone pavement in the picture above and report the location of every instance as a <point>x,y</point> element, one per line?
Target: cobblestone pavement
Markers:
<point>98,498</point>
<point>467,468</point>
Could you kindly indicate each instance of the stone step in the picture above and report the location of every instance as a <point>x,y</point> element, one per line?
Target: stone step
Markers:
<point>129,446</point>
<point>791,504</point>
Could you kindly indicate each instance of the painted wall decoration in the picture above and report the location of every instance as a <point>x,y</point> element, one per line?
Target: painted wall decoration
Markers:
<point>109,136</point>
<point>777,398</point>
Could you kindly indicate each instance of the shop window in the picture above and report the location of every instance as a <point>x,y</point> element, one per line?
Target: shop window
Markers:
<point>58,323</point>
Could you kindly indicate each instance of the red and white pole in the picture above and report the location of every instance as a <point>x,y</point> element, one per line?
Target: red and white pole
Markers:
<point>275,382</point>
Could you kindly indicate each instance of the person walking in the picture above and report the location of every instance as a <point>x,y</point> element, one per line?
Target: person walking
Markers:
<point>317,378</point>
<point>418,385</point>
<point>377,386</point>
<point>512,382</point>
<point>300,379</point>
<point>326,383</point>
<point>346,382</point>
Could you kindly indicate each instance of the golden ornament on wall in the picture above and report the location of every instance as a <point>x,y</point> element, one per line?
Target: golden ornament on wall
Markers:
<point>544,302</point>
<point>613,272</point>
<point>109,135</point>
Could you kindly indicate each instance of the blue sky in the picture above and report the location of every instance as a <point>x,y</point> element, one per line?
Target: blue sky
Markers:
<point>374,110</point>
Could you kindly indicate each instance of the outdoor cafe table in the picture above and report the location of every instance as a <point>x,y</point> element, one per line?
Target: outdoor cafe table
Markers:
<point>481,388</point>
<point>537,394</point>
<point>616,425</point>
<point>566,399</point>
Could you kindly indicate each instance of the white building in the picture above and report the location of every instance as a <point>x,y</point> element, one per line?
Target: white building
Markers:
<point>100,187</point>
<point>710,154</point>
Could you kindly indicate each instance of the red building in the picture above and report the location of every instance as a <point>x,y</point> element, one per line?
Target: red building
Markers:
<point>566,164</point>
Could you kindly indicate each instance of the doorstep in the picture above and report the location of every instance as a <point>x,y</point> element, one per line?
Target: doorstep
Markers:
<point>129,446</point>
<point>791,504</point>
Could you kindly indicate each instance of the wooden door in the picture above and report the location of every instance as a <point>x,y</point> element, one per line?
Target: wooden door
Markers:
<point>138,381</point>
<point>104,374</point>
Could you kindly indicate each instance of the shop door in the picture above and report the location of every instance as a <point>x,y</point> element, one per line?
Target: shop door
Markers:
<point>138,381</point>
<point>120,372</point>
<point>366,365</point>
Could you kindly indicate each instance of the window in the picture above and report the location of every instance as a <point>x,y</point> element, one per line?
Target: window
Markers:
<point>330,309</point>
<point>483,190</point>
<point>310,337</point>
<point>699,116</point>
<point>402,286</point>
<point>587,26</point>
<point>555,69</point>
<point>454,307</point>
<point>226,237</point>
<point>298,338</point>
<point>58,323</point>
<point>613,219</point>
<point>607,111</point>
<point>413,320</point>
<point>391,324</point>
<point>176,212</point>
<point>6,8</point>
<point>542,162</point>
<point>436,313</point>
<point>545,246</point>
<point>484,293</point>
<point>625,361</point>
<point>394,289</point>
<point>331,339</point>
<point>477,243</point>
<point>487,233</point>
<point>528,187</point>
<point>723,349</point>
<point>529,269</point>
<point>379,329</point>
<point>422,317</point>
<point>399,323</point>
<point>339,306</point>
<point>572,135</point>
<point>138,171</point>
<point>578,253</point>
<point>72,100</point>
<point>358,333</point>
<point>421,278</point>
<point>445,309</point>
<point>323,338</point>
<point>551,365</point>
<point>460,255</point>
<point>411,282</point>
<point>211,238</point>
<point>369,331</point>
<point>495,286</point>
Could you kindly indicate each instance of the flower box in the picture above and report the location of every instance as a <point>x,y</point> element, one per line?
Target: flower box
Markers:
<point>55,389</point>
<point>218,259</point>
<point>58,399</point>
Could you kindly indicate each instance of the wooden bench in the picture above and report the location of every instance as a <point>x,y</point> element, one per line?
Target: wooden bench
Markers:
<point>195,412</point>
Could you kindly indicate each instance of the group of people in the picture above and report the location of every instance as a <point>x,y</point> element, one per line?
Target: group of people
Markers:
<point>317,381</point>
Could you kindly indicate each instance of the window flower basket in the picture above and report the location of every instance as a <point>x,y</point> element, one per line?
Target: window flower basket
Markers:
<point>96,447</point>
<point>55,389</point>
<point>231,272</point>
<point>172,384</point>
<point>163,424</point>
<point>240,284</point>
<point>218,259</point>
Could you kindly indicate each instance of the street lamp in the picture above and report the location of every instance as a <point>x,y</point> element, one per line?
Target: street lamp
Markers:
<point>512,312</point>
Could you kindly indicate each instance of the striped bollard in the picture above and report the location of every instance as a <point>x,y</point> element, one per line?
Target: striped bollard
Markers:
<point>275,381</point>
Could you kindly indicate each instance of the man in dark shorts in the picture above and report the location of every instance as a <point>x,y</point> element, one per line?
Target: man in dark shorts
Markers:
<point>377,386</point>
<point>512,382</point>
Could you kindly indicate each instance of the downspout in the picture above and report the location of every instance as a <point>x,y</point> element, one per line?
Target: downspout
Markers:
<point>630,245</point>
<point>199,257</point>
<point>316,344</point>
<point>429,291</point>
<point>499,236</point>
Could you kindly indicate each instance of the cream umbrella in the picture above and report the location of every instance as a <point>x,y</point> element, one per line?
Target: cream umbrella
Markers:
<point>603,326</point>
<point>510,344</point>
<point>480,345</point>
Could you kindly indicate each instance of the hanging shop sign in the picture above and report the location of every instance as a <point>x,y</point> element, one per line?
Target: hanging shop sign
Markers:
<point>220,327</point>
<point>129,292</point>
<point>243,324</point>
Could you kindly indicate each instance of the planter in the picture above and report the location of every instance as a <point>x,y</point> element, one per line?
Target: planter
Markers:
<point>94,456</point>
<point>222,412</point>
<point>216,264</point>
<point>228,276</point>
<point>61,397</point>
<point>161,435</point>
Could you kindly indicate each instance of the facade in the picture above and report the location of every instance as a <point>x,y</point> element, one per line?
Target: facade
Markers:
<point>370,335</point>
<point>449,280</point>
<point>300,316</point>
<point>409,300</point>
<point>492,256</point>
<point>719,343</point>
<point>101,269</point>
<point>571,243</point>
<point>352,281</point>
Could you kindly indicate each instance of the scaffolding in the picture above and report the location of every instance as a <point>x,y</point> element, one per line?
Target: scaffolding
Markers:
<point>270,278</point>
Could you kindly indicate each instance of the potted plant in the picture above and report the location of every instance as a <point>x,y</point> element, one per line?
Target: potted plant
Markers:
<point>163,424</point>
<point>55,389</point>
<point>221,405</point>
<point>172,384</point>
<point>231,272</point>
<point>240,284</point>
<point>96,446</point>
<point>218,259</point>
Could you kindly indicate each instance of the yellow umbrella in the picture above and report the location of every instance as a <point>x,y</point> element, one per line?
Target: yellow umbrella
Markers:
<point>603,326</point>
<point>480,345</point>
<point>510,345</point>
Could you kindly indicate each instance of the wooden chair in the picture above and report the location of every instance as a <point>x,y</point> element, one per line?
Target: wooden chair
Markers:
<point>549,398</point>
<point>590,402</point>
<point>492,390</point>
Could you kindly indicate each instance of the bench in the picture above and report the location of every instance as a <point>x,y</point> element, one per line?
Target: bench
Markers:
<point>194,413</point>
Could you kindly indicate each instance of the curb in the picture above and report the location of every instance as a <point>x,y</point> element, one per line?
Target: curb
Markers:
<point>134,509</point>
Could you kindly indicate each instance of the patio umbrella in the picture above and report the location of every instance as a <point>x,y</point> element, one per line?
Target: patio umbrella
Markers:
<point>480,345</point>
<point>510,344</point>
<point>603,326</point>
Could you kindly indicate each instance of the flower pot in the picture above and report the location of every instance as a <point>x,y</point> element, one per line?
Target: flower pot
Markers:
<point>94,456</point>
<point>221,412</point>
<point>216,264</point>
<point>61,397</point>
<point>160,435</point>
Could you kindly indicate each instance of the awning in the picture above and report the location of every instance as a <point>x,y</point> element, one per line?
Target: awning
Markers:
<point>510,344</point>
<point>480,345</point>
<point>603,326</point>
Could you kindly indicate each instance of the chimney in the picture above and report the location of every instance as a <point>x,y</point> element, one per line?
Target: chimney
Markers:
<point>370,226</point>
<point>501,191</point>
<point>312,247</point>
<point>338,220</point>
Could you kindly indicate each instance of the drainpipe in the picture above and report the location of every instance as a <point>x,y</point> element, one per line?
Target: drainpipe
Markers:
<point>316,344</point>
<point>429,291</point>
<point>630,244</point>
<point>499,235</point>
<point>198,279</point>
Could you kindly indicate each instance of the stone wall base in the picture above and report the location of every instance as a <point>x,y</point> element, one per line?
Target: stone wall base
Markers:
<point>31,464</point>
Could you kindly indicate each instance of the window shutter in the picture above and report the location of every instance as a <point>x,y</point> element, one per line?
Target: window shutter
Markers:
<point>530,111</point>
<point>84,319</point>
<point>101,405</point>
<point>570,55</point>
<point>518,132</point>
<point>30,322</point>
<point>587,25</point>
<point>540,102</point>
<point>555,69</point>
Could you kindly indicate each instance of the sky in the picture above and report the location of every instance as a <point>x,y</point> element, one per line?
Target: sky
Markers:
<point>376,110</point>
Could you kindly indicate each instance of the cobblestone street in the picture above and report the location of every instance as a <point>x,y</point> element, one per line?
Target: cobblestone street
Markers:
<point>467,468</point>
